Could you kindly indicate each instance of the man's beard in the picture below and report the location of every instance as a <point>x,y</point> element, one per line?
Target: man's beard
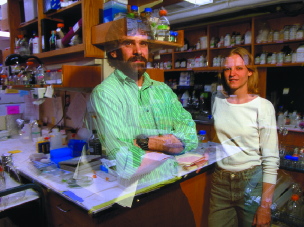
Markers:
<point>132,68</point>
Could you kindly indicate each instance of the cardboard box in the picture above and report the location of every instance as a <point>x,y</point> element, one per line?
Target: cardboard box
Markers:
<point>4,11</point>
<point>30,10</point>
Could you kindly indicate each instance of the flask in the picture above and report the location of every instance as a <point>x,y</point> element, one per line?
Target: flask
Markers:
<point>163,26</point>
<point>56,139</point>
<point>52,40</point>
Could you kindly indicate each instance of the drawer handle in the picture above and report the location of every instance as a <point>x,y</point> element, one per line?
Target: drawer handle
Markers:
<point>59,208</point>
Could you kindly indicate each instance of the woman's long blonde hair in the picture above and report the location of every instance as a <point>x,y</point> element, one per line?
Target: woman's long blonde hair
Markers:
<point>253,80</point>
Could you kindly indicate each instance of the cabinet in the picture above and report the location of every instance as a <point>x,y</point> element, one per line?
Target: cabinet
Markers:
<point>219,29</point>
<point>88,10</point>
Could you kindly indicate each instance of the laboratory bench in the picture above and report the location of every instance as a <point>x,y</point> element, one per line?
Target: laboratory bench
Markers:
<point>180,201</point>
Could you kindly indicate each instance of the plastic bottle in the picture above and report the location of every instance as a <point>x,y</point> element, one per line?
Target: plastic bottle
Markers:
<point>41,75</point>
<point>247,39</point>
<point>30,72</point>
<point>185,99</point>
<point>203,138</point>
<point>56,139</point>
<point>36,132</point>
<point>4,76</point>
<point>52,40</point>
<point>163,26</point>
<point>59,35</point>
<point>31,42</point>
<point>24,46</point>
<point>36,45</point>
<point>133,12</point>
<point>147,20</point>
<point>300,53</point>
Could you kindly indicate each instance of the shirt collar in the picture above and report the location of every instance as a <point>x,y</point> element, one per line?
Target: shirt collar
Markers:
<point>125,79</point>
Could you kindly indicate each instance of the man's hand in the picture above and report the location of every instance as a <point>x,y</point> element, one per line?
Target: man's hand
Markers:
<point>168,144</point>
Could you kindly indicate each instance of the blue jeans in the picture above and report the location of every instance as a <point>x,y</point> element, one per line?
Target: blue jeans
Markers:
<point>235,197</point>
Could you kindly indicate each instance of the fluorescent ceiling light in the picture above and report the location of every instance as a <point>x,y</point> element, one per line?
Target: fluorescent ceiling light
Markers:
<point>200,2</point>
<point>4,34</point>
<point>3,2</point>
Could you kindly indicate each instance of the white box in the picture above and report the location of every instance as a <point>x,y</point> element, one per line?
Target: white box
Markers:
<point>11,98</point>
<point>30,9</point>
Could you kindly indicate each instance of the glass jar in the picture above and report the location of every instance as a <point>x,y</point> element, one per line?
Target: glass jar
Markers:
<point>286,32</point>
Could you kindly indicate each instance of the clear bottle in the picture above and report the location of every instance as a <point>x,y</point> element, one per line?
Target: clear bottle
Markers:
<point>52,40</point>
<point>94,144</point>
<point>163,26</point>
<point>30,72</point>
<point>41,75</point>
<point>24,46</point>
<point>4,76</point>
<point>31,41</point>
<point>300,53</point>
<point>293,209</point>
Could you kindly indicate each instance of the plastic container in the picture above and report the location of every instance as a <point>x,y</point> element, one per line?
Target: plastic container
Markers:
<point>300,53</point>
<point>36,132</point>
<point>76,146</point>
<point>111,8</point>
<point>56,139</point>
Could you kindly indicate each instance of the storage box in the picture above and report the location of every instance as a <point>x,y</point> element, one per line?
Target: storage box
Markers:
<point>4,11</point>
<point>111,8</point>
<point>30,10</point>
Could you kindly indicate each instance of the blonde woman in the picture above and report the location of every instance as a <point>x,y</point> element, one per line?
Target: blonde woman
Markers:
<point>244,180</point>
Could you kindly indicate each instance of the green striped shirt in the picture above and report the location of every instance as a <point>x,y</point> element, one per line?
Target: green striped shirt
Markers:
<point>124,111</point>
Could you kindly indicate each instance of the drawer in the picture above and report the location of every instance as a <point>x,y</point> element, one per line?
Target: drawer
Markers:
<point>65,213</point>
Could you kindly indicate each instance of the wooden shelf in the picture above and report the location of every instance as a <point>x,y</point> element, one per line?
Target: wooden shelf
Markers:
<point>107,33</point>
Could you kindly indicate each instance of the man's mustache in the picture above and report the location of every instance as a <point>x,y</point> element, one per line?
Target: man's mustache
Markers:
<point>138,58</point>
